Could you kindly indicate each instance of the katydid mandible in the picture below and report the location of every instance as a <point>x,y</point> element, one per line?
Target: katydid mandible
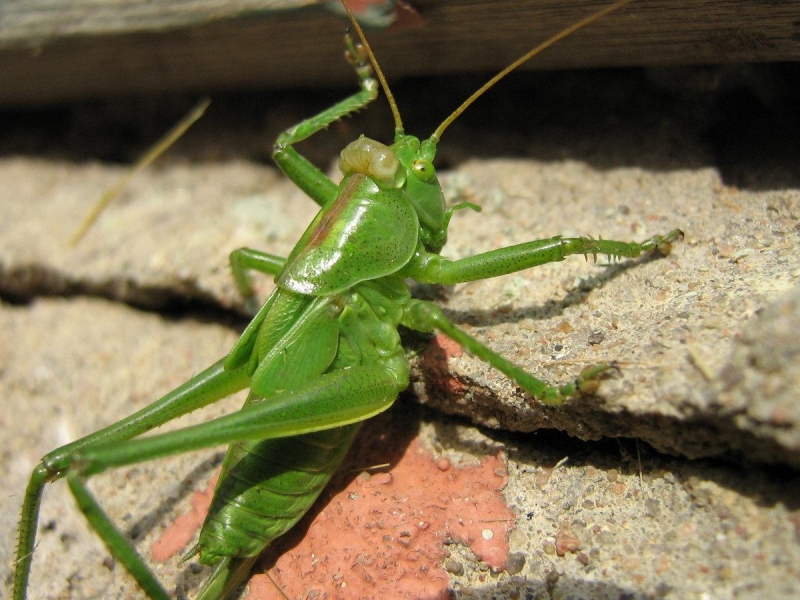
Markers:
<point>323,353</point>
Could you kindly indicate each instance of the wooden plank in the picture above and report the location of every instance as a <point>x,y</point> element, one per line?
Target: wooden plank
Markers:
<point>293,49</point>
<point>28,22</point>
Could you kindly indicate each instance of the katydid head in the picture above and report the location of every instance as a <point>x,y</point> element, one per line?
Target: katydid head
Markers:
<point>413,170</point>
<point>423,189</point>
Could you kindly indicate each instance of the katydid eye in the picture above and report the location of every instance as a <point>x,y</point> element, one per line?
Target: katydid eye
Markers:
<point>424,169</point>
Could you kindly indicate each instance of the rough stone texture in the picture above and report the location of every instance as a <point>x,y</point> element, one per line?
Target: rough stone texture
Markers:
<point>594,520</point>
<point>759,384</point>
<point>672,324</point>
<point>703,337</point>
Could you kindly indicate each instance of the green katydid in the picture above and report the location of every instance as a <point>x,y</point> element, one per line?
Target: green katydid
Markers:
<point>323,353</point>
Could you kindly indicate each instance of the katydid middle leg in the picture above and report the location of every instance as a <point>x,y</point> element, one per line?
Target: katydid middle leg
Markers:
<point>248,259</point>
<point>426,316</point>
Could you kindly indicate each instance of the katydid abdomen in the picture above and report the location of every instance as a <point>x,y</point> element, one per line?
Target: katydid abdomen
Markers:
<point>266,487</point>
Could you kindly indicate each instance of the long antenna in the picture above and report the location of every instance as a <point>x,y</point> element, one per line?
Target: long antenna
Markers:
<point>541,47</point>
<point>398,122</point>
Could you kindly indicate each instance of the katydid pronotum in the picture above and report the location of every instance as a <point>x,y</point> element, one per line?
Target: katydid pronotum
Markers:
<point>323,353</point>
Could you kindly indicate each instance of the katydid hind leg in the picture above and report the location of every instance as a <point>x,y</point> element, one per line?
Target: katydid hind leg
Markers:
<point>331,406</point>
<point>119,546</point>
<point>328,402</point>
<point>205,388</point>
<point>335,399</point>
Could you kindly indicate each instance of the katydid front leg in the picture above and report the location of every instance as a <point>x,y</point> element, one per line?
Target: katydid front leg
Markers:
<point>432,268</point>
<point>305,175</point>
